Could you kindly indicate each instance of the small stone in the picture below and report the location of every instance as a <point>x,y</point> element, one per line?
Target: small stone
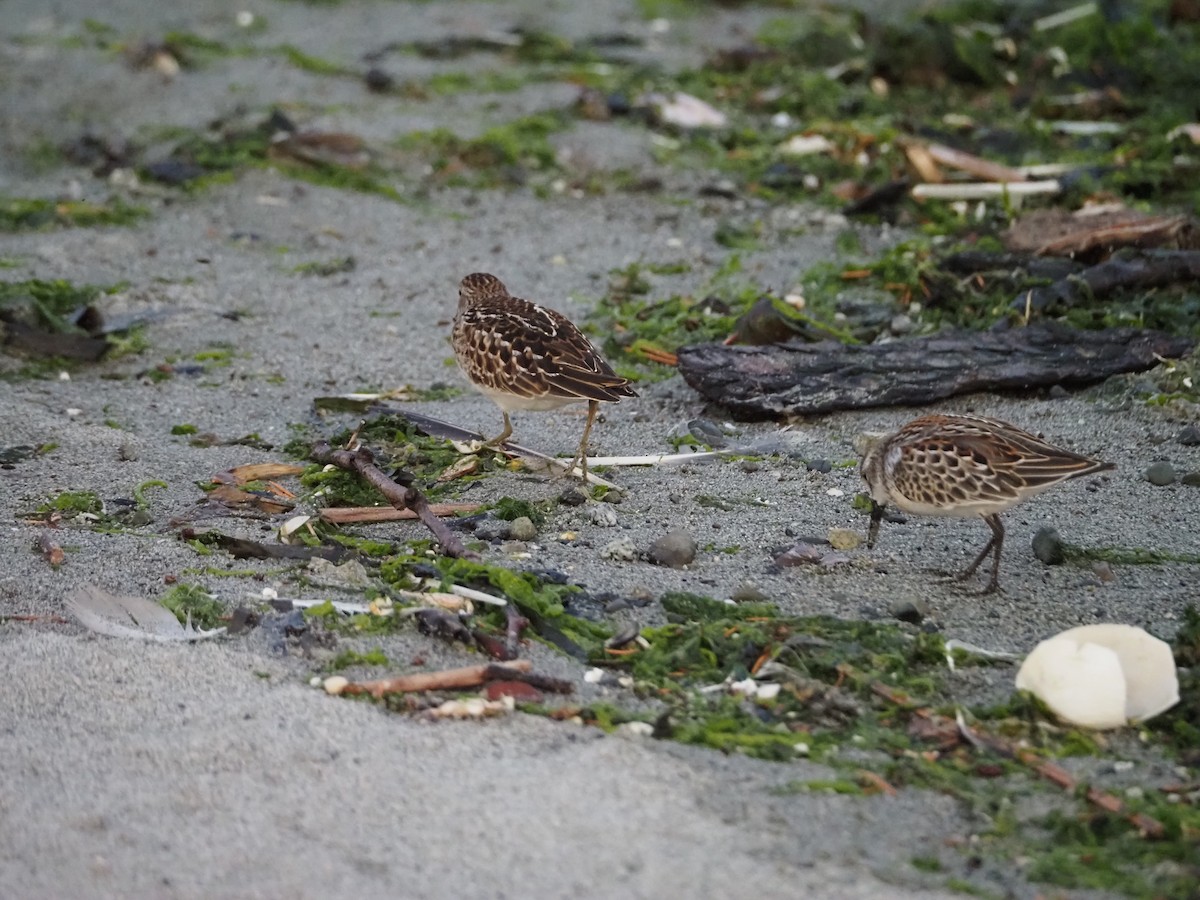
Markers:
<point>1104,571</point>
<point>602,515</point>
<point>127,452</point>
<point>514,548</point>
<point>1191,479</point>
<point>911,611</point>
<point>900,324</point>
<point>1161,473</point>
<point>674,549</point>
<point>1048,546</point>
<point>335,684</point>
<point>708,432</point>
<point>844,538</point>
<point>1190,436</point>
<point>749,592</point>
<point>492,530</point>
<point>522,529</point>
<point>1058,392</point>
<point>819,465</point>
<point>750,466</point>
<point>622,549</point>
<point>573,496</point>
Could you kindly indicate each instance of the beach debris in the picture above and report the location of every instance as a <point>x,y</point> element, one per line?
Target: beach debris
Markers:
<point>684,111</point>
<point>457,679</point>
<point>806,553</point>
<point>362,462</point>
<point>366,515</point>
<point>127,616</point>
<point>780,381</point>
<point>1137,271</point>
<point>245,548</point>
<point>1092,233</point>
<point>473,708</point>
<point>1102,676</point>
<point>50,550</point>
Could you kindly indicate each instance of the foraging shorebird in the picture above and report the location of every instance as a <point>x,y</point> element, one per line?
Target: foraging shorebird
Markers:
<point>525,356</point>
<point>964,466</point>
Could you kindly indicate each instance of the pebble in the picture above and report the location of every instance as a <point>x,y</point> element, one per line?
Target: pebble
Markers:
<point>749,592</point>
<point>819,465</point>
<point>522,529</point>
<point>573,496</point>
<point>1161,473</point>
<point>844,538</point>
<point>1104,571</point>
<point>1190,436</point>
<point>602,515</point>
<point>1191,479</point>
<point>911,611</point>
<point>622,549</point>
<point>709,432</point>
<point>901,324</point>
<point>675,549</point>
<point>1048,546</point>
<point>492,530</point>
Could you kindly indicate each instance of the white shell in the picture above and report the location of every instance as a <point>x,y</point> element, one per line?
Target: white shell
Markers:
<point>1102,676</point>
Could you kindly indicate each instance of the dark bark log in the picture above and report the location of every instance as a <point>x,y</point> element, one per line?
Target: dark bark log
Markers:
<point>795,378</point>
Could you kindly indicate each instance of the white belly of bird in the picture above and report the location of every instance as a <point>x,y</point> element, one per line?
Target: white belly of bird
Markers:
<point>510,402</point>
<point>959,510</point>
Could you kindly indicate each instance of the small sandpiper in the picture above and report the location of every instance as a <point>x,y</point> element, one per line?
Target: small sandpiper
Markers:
<point>525,356</point>
<point>964,466</point>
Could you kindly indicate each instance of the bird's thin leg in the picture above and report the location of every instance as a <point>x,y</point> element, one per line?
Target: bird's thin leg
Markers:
<point>503,436</point>
<point>998,535</point>
<point>581,456</point>
<point>994,545</point>
<point>876,518</point>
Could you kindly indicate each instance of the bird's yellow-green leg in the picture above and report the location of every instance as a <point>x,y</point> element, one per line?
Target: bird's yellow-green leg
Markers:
<point>503,436</point>
<point>581,456</point>
<point>995,544</point>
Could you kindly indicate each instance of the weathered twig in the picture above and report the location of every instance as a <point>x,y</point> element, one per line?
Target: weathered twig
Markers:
<point>362,462</point>
<point>985,190</point>
<point>515,624</point>
<point>1146,825</point>
<point>448,679</point>
<point>1056,774</point>
<point>974,165</point>
<point>348,515</point>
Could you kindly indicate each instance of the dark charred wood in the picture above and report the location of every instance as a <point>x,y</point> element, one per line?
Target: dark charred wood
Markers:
<point>1152,268</point>
<point>797,378</point>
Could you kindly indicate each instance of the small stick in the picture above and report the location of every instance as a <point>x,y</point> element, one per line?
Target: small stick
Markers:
<point>350,515</point>
<point>363,463</point>
<point>515,623</point>
<point>466,677</point>
<point>974,165</point>
<point>1055,774</point>
<point>877,782</point>
<point>984,190</point>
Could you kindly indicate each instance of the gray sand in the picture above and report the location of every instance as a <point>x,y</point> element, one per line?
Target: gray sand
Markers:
<point>215,770</point>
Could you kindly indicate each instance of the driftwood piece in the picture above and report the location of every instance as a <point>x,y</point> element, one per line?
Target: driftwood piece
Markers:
<point>362,462</point>
<point>1152,268</point>
<point>795,378</point>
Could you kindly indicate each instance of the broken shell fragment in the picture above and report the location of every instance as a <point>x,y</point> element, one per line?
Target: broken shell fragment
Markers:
<point>1102,676</point>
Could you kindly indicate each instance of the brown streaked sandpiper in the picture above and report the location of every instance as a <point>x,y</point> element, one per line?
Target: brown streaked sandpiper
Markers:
<point>963,466</point>
<point>525,356</point>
